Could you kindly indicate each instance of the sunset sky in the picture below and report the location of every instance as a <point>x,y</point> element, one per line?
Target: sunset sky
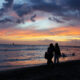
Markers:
<point>40,22</point>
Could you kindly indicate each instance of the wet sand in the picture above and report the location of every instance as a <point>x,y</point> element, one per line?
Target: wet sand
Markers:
<point>63,71</point>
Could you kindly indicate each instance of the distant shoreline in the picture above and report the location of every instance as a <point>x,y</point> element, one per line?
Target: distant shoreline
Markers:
<point>38,45</point>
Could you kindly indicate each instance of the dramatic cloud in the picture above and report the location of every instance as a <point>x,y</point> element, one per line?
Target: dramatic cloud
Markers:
<point>8,4</point>
<point>5,20</point>
<point>32,18</point>
<point>22,10</point>
<point>56,19</point>
<point>68,9</point>
<point>41,17</point>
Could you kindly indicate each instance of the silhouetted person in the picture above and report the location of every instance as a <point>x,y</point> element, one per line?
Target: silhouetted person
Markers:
<point>50,54</point>
<point>57,53</point>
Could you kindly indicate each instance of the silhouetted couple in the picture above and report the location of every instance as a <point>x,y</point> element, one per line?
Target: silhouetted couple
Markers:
<point>53,51</point>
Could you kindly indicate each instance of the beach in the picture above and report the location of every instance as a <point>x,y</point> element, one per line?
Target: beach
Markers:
<point>69,70</point>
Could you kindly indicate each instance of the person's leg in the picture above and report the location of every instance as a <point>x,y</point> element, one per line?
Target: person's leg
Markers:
<point>47,61</point>
<point>54,59</point>
<point>51,61</point>
<point>57,59</point>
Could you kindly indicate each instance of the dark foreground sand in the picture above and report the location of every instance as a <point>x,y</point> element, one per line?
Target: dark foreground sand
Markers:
<point>64,71</point>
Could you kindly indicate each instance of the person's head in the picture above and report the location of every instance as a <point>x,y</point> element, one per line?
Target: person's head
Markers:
<point>56,44</point>
<point>51,45</point>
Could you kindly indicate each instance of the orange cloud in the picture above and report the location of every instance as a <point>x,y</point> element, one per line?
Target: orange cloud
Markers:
<point>57,34</point>
<point>66,31</point>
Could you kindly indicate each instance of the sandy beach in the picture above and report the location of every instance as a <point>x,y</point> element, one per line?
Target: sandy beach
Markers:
<point>63,71</point>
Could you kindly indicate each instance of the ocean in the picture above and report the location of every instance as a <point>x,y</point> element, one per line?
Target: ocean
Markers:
<point>18,56</point>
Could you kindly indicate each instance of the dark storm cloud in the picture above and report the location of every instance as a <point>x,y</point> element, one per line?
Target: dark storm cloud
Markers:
<point>22,10</point>
<point>44,6</point>
<point>55,5</point>
<point>58,7</point>
<point>56,19</point>
<point>6,6</point>
<point>20,21</point>
<point>73,4</point>
<point>33,18</point>
<point>5,20</point>
<point>1,11</point>
<point>67,9</point>
<point>8,3</point>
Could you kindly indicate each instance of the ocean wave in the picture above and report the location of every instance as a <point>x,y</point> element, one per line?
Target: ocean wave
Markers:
<point>13,60</point>
<point>28,49</point>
